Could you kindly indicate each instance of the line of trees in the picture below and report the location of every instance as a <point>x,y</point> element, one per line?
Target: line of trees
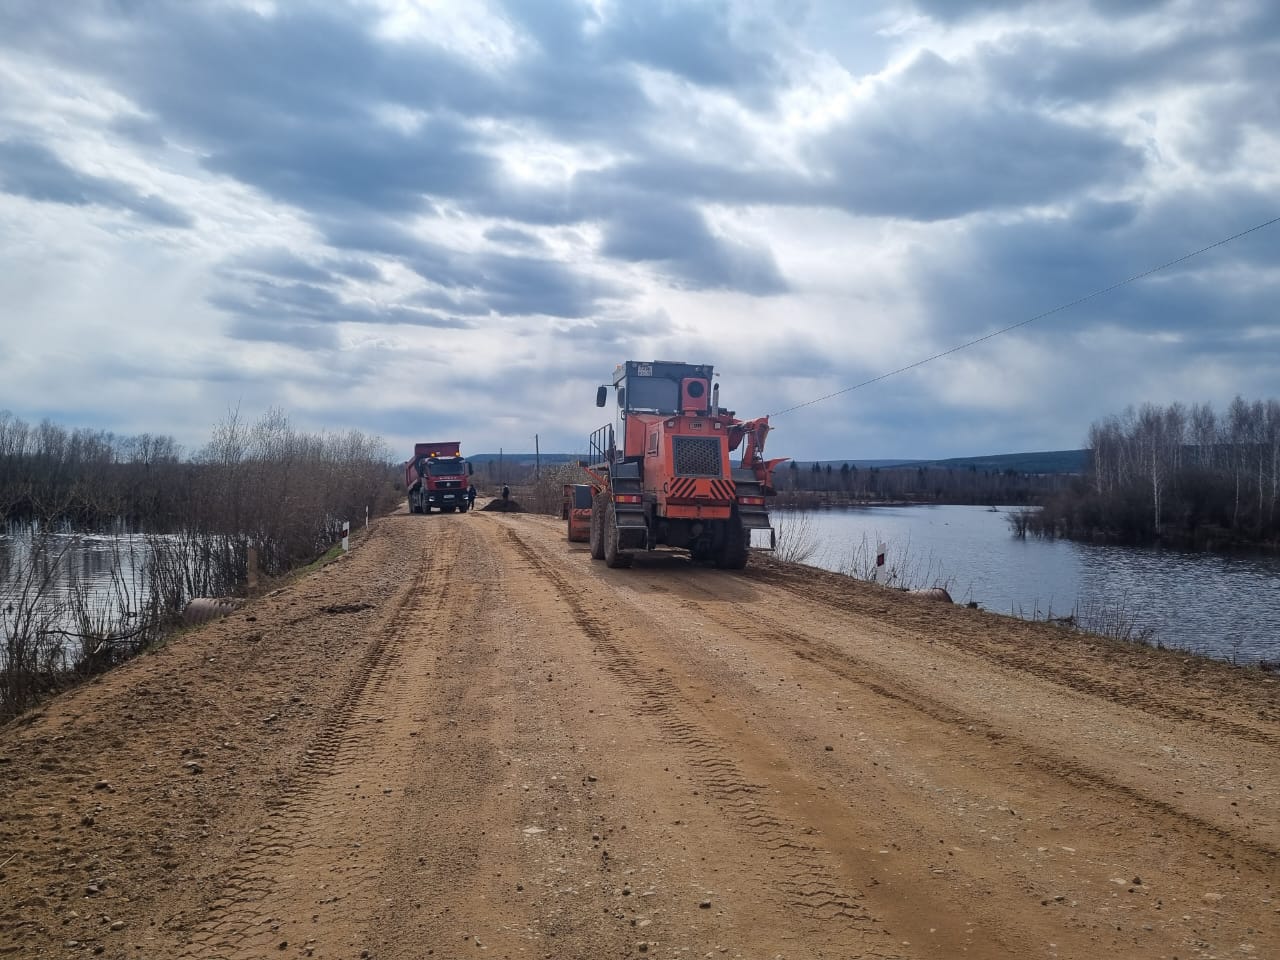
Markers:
<point>1178,474</point>
<point>85,477</point>
<point>261,489</point>
<point>915,484</point>
<point>264,484</point>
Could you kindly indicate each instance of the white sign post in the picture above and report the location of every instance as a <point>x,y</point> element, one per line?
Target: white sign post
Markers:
<point>346,536</point>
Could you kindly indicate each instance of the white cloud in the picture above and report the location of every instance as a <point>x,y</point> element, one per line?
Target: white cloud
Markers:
<point>388,213</point>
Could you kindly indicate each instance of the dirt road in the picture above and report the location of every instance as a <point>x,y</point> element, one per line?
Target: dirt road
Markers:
<point>465,739</point>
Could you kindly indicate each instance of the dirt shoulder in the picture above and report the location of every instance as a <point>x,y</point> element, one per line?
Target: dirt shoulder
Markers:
<point>467,739</point>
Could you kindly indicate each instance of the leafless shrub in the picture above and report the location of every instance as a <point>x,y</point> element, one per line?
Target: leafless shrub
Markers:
<point>901,570</point>
<point>282,491</point>
<point>29,610</point>
<point>1020,522</point>
<point>546,493</point>
<point>264,486</point>
<point>797,540</point>
<point>190,564</point>
<point>1103,618</point>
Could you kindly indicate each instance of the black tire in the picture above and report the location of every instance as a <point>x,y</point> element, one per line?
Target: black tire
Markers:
<point>732,552</point>
<point>597,535</point>
<point>462,508</point>
<point>613,557</point>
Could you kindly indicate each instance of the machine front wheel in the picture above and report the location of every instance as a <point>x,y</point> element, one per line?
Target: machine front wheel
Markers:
<point>613,557</point>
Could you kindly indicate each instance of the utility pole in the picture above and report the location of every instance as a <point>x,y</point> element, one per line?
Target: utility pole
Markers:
<point>537,460</point>
<point>502,474</point>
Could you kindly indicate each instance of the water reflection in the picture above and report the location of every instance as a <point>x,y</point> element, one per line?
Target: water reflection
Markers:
<point>106,570</point>
<point>1225,606</point>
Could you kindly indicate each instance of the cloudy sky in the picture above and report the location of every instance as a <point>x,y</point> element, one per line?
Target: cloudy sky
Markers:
<point>427,218</point>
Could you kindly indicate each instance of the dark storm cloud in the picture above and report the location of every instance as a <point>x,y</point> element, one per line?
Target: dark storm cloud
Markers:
<point>929,146</point>
<point>298,112</point>
<point>512,237</point>
<point>303,336</point>
<point>923,152</point>
<point>1042,67</point>
<point>279,263</point>
<point>676,237</point>
<point>330,165</point>
<point>524,285</point>
<point>952,11</point>
<point>295,313</point>
<point>1006,273</point>
<point>693,41</point>
<point>477,283</point>
<point>28,169</point>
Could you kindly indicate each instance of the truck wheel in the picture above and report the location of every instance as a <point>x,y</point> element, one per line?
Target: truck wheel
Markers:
<point>613,557</point>
<point>732,552</point>
<point>597,532</point>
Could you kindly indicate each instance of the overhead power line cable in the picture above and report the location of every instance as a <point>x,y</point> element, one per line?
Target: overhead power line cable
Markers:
<point>1039,316</point>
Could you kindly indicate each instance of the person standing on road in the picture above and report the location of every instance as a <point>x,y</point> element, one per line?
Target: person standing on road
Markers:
<point>471,497</point>
<point>506,494</point>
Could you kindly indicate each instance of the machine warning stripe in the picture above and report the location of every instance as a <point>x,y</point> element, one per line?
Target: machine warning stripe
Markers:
<point>690,488</point>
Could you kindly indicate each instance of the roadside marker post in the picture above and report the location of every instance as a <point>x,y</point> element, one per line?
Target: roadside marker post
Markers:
<point>346,536</point>
<point>880,551</point>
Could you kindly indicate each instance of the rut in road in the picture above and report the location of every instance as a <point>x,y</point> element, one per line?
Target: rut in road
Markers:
<point>1024,752</point>
<point>991,815</point>
<point>299,839</point>
<point>810,882</point>
<point>818,589</point>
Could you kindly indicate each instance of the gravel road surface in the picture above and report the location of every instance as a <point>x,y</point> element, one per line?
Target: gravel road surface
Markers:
<point>465,739</point>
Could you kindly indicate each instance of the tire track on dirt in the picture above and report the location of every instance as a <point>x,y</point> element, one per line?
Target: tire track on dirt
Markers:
<point>240,920</point>
<point>810,885</point>
<point>1032,662</point>
<point>763,628</point>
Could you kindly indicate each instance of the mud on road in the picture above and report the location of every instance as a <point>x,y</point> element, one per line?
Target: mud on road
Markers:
<point>465,739</point>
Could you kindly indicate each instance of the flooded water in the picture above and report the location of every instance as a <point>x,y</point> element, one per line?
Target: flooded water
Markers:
<point>1225,606</point>
<point>110,567</point>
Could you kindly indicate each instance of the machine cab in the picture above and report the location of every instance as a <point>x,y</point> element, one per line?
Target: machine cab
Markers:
<point>660,389</point>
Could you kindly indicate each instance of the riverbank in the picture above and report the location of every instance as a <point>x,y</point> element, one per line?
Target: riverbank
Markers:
<point>1221,605</point>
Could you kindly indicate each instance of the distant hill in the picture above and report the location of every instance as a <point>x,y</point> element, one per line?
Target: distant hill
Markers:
<point>1047,461</point>
<point>1043,462</point>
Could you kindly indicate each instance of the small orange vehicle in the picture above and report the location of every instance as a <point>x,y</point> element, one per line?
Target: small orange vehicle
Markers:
<point>576,511</point>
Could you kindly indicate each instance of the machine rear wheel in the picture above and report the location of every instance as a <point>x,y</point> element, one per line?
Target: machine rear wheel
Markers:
<point>732,553</point>
<point>597,532</point>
